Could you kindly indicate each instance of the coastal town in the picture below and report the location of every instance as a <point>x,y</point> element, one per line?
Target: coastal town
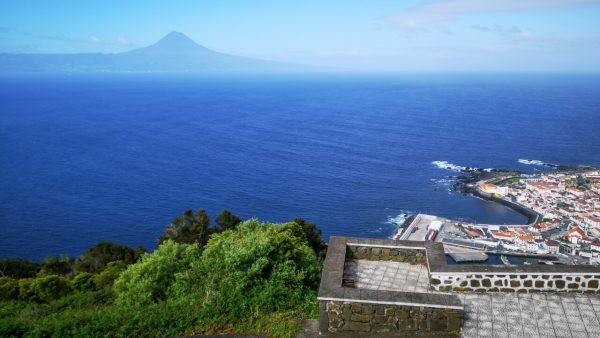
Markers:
<point>564,221</point>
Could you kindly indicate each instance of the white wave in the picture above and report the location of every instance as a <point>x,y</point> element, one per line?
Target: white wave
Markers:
<point>398,220</point>
<point>531,162</point>
<point>453,167</point>
<point>444,181</point>
<point>448,166</point>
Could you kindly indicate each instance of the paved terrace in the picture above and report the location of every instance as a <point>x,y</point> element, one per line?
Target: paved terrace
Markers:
<point>531,315</point>
<point>491,314</point>
<point>387,275</point>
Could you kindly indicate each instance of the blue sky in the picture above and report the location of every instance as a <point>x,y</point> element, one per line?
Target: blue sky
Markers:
<point>404,35</point>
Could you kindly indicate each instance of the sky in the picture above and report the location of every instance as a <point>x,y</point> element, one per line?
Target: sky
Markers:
<point>374,35</point>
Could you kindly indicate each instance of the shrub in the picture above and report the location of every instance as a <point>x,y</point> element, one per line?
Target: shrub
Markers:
<point>96,258</point>
<point>51,287</point>
<point>84,282</point>
<point>189,228</point>
<point>150,279</point>
<point>9,288</point>
<point>257,278</point>
<point>261,267</point>
<point>313,235</point>
<point>60,265</point>
<point>227,221</point>
<point>110,274</point>
<point>18,268</point>
<point>25,291</point>
<point>12,327</point>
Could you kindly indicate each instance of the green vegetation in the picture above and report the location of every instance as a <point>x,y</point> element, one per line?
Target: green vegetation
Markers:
<point>98,256</point>
<point>18,268</point>
<point>149,281</point>
<point>239,277</point>
<point>189,228</point>
<point>509,181</point>
<point>563,205</point>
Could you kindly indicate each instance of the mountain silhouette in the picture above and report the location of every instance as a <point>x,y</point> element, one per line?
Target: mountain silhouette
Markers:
<point>173,53</point>
<point>174,43</point>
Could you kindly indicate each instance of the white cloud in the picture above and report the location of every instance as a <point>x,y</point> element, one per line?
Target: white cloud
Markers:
<point>94,39</point>
<point>520,38</point>
<point>436,13</point>
<point>122,41</point>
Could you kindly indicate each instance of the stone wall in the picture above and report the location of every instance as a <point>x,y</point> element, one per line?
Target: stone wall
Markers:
<point>520,282</point>
<point>408,255</point>
<point>508,278</point>
<point>365,317</point>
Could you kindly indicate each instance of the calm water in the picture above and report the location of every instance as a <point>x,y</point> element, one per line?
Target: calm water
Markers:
<point>88,158</point>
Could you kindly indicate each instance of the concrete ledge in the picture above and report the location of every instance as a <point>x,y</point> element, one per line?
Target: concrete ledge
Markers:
<point>458,307</point>
<point>333,271</point>
<point>387,246</point>
<point>368,311</point>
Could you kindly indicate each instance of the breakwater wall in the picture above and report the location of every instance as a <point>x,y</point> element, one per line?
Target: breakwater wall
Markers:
<point>533,217</point>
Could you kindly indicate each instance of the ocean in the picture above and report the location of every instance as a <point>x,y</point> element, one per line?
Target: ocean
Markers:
<point>116,157</point>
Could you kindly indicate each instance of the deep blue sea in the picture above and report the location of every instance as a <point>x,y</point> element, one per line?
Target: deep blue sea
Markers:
<point>85,158</point>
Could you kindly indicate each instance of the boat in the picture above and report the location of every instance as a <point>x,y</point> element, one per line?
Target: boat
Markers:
<point>505,260</point>
<point>430,236</point>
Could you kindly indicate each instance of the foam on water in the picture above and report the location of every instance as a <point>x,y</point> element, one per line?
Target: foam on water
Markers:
<point>453,167</point>
<point>448,166</point>
<point>538,163</point>
<point>531,162</point>
<point>398,221</point>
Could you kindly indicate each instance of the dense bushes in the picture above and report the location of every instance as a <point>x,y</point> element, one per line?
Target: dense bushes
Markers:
<point>109,274</point>
<point>150,279</point>
<point>18,268</point>
<point>259,266</point>
<point>9,288</point>
<point>195,227</point>
<point>55,277</point>
<point>84,282</point>
<point>96,258</point>
<point>254,278</point>
<point>50,288</point>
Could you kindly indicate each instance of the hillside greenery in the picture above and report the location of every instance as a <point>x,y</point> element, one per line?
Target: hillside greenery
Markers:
<point>235,276</point>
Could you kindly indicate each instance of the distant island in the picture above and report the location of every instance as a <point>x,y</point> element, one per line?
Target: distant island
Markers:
<point>173,53</point>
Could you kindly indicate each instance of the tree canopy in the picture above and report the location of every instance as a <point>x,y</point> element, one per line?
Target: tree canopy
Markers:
<point>18,268</point>
<point>189,228</point>
<point>96,258</point>
<point>150,279</point>
<point>242,277</point>
<point>265,266</point>
<point>313,235</point>
<point>227,220</point>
